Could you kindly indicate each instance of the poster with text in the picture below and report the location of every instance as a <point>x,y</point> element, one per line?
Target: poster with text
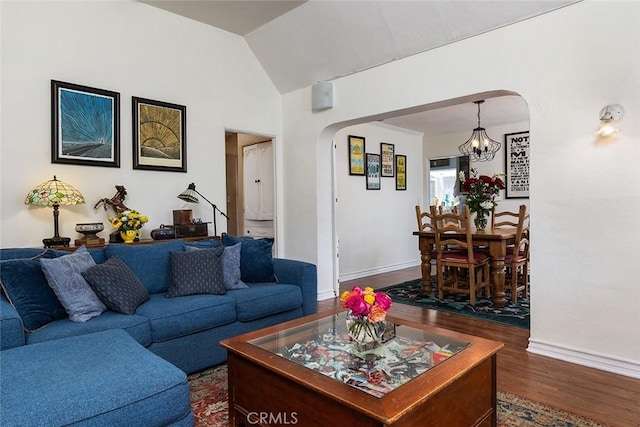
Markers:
<point>517,165</point>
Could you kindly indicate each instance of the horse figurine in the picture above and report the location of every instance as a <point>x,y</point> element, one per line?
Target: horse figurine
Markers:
<point>116,202</point>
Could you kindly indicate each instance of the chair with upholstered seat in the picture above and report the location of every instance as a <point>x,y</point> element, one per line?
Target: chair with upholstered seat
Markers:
<point>517,259</point>
<point>455,230</point>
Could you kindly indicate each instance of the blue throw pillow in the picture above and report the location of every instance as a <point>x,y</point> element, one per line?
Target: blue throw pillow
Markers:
<point>116,285</point>
<point>256,261</point>
<point>25,286</point>
<point>64,277</point>
<point>230,266</point>
<point>197,272</point>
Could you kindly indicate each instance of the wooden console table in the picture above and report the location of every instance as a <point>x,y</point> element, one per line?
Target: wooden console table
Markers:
<point>140,242</point>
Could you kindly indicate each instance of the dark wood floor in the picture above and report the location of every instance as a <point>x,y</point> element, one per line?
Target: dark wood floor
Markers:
<point>608,398</point>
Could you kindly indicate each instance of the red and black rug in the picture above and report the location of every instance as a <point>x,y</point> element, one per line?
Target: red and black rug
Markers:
<point>209,404</point>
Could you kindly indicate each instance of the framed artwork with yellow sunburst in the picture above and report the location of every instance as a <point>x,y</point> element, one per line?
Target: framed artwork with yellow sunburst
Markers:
<point>159,135</point>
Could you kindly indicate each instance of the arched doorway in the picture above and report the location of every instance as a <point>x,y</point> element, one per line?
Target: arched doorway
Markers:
<point>349,247</point>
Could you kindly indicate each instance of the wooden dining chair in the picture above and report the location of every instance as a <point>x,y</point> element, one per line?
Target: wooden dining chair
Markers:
<point>453,210</point>
<point>506,218</point>
<point>517,259</point>
<point>455,230</point>
<point>425,223</point>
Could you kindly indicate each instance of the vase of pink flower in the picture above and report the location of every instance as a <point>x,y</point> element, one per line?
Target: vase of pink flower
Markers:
<point>366,315</point>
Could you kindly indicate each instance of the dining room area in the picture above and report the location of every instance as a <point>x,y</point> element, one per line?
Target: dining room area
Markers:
<point>469,243</point>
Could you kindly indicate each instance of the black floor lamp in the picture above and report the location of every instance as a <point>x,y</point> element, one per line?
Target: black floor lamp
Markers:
<point>189,195</point>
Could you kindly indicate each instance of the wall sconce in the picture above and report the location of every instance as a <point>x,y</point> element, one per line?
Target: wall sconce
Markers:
<point>609,118</point>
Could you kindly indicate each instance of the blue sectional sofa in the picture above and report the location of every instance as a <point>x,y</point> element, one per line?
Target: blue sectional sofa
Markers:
<point>183,330</point>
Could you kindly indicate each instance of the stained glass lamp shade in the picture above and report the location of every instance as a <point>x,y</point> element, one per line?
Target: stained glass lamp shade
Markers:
<point>54,193</point>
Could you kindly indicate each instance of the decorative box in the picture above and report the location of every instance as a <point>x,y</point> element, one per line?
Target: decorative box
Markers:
<point>191,230</point>
<point>182,217</point>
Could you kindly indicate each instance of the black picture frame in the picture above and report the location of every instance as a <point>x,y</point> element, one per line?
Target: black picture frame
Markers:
<point>357,149</point>
<point>373,171</point>
<point>387,160</point>
<point>401,172</point>
<point>85,125</point>
<point>463,165</point>
<point>159,135</point>
<point>516,158</point>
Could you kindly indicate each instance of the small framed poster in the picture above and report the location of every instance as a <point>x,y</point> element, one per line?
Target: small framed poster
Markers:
<point>373,171</point>
<point>387,160</point>
<point>356,155</point>
<point>401,171</point>
<point>517,165</point>
<point>159,135</point>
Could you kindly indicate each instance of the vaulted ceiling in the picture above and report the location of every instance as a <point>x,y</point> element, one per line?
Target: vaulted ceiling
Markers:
<point>299,43</point>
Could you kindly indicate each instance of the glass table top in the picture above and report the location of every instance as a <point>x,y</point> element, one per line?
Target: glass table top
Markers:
<point>325,346</point>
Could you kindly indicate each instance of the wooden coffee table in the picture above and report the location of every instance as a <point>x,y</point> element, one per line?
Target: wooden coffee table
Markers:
<point>308,372</point>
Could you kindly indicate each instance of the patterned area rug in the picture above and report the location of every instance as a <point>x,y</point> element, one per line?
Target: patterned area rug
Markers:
<point>411,293</point>
<point>209,404</point>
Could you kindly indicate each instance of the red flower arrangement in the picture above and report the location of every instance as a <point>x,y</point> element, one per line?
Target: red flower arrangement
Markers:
<point>482,190</point>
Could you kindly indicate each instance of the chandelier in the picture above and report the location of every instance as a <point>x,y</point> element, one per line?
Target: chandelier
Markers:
<point>479,147</point>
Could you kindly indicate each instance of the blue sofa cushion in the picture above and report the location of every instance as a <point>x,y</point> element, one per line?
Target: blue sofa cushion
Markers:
<point>176,317</point>
<point>197,272</point>
<point>104,379</point>
<point>230,265</point>
<point>26,288</point>
<point>23,253</point>
<point>98,255</point>
<point>265,299</point>
<point>256,262</point>
<point>149,262</point>
<point>116,285</point>
<point>11,328</point>
<point>204,244</point>
<point>74,293</point>
<point>136,326</point>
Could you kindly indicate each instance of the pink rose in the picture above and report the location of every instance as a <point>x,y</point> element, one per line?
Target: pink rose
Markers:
<point>383,301</point>
<point>358,306</point>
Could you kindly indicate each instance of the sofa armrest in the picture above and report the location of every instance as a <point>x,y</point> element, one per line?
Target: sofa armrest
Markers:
<point>11,327</point>
<point>302,274</point>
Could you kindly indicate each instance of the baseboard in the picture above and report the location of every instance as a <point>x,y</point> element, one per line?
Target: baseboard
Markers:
<point>602,362</point>
<point>326,295</point>
<point>378,270</point>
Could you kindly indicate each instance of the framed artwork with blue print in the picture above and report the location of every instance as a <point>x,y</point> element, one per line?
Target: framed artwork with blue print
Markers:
<point>85,125</point>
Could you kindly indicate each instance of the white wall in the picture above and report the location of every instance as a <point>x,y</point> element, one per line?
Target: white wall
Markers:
<point>136,50</point>
<point>565,65</point>
<point>375,226</point>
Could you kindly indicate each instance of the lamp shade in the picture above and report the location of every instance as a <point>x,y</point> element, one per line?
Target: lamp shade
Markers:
<point>190,194</point>
<point>54,192</point>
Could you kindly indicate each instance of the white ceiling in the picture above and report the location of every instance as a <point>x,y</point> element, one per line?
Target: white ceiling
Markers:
<point>302,42</point>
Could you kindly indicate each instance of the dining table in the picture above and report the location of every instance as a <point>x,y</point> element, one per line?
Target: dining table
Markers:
<point>496,240</point>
